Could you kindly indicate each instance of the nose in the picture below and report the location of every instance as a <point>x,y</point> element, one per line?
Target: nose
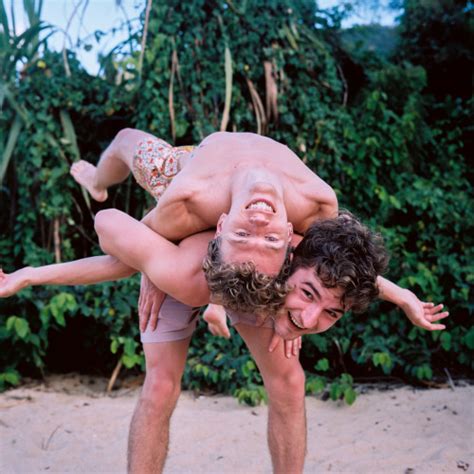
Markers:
<point>258,219</point>
<point>310,316</point>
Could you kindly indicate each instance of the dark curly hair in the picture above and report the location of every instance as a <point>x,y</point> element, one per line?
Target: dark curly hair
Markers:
<point>240,287</point>
<point>345,254</point>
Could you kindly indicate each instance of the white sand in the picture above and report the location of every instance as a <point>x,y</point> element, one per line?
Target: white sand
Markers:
<point>66,426</point>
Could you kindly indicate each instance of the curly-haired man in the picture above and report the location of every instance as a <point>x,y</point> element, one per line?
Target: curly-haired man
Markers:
<point>334,269</point>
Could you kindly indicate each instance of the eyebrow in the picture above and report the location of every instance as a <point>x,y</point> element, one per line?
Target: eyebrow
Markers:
<point>245,243</point>
<point>318,294</point>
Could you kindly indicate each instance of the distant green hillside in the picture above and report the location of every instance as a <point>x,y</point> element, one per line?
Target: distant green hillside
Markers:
<point>376,38</point>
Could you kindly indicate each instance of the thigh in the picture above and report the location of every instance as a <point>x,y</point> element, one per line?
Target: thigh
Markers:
<point>155,163</point>
<point>165,361</point>
<point>272,365</point>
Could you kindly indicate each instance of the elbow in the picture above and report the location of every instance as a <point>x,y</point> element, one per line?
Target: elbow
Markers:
<point>333,203</point>
<point>330,208</point>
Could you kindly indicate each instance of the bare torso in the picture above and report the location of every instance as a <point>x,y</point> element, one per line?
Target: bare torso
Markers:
<point>201,192</point>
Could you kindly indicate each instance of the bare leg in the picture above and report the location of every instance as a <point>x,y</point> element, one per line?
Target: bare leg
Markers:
<point>114,165</point>
<point>285,383</point>
<point>149,430</point>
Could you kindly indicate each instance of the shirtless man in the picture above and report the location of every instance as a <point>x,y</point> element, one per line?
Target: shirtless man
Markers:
<point>314,308</point>
<point>252,187</point>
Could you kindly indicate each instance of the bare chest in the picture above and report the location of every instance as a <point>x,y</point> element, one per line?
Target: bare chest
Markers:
<point>198,200</point>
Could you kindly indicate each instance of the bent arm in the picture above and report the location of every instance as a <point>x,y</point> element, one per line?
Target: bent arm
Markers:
<point>420,313</point>
<point>175,269</point>
<point>85,271</point>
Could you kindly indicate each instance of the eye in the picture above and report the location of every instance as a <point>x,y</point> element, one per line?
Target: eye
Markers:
<point>241,233</point>
<point>271,238</point>
<point>332,314</point>
<point>308,294</point>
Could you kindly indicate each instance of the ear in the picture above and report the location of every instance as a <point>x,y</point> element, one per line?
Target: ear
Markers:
<point>290,231</point>
<point>220,224</point>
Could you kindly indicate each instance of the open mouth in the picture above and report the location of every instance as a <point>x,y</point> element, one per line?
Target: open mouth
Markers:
<point>261,205</point>
<point>294,321</point>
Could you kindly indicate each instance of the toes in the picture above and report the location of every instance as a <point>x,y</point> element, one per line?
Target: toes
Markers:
<point>77,167</point>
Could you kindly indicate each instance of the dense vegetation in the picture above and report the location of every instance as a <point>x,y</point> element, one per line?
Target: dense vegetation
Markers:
<point>387,127</point>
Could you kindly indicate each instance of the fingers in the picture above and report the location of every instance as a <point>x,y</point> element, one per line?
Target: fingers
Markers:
<point>292,348</point>
<point>142,321</point>
<point>144,313</point>
<point>431,327</point>
<point>437,317</point>
<point>274,342</point>
<point>437,327</point>
<point>289,348</point>
<point>153,321</point>
<point>297,343</point>
<point>212,329</point>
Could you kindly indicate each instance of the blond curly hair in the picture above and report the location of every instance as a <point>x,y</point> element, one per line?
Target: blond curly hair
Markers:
<point>240,287</point>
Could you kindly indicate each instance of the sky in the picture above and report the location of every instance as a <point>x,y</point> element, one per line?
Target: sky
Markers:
<point>104,15</point>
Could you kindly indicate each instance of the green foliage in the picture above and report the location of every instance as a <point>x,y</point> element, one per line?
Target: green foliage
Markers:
<point>391,143</point>
<point>437,34</point>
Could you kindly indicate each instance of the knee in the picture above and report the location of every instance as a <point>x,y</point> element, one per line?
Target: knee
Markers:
<point>161,388</point>
<point>287,388</point>
<point>124,134</point>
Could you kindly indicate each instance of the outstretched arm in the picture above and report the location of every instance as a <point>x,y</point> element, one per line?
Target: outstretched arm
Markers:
<point>79,272</point>
<point>175,269</point>
<point>421,314</point>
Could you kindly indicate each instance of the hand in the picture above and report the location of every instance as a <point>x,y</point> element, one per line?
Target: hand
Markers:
<point>216,320</point>
<point>291,348</point>
<point>11,283</point>
<point>423,314</point>
<point>149,304</point>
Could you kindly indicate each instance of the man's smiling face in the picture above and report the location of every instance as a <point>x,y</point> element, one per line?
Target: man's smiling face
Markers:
<point>256,231</point>
<point>309,307</point>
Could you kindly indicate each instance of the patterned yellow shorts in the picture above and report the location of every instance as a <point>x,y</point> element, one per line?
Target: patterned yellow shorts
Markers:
<point>156,163</point>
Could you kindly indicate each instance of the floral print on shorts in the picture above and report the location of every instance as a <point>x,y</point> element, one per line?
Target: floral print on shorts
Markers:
<point>156,163</point>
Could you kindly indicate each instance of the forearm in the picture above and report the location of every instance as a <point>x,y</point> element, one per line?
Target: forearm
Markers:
<point>389,291</point>
<point>176,270</point>
<point>86,271</point>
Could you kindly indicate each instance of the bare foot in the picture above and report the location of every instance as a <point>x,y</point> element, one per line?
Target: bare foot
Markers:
<point>11,283</point>
<point>84,173</point>
<point>215,317</point>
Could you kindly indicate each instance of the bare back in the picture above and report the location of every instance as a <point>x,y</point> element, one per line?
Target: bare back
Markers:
<point>201,192</point>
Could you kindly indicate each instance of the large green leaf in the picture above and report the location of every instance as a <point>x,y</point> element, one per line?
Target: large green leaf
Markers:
<point>70,133</point>
<point>10,146</point>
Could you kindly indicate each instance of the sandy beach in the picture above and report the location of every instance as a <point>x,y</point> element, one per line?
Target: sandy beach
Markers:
<point>68,424</point>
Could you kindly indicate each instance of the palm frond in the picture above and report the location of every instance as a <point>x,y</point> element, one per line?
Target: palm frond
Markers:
<point>10,145</point>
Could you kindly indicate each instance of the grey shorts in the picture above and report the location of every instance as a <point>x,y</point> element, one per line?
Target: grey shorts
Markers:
<point>176,321</point>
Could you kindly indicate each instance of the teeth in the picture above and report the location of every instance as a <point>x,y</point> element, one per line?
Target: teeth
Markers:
<point>296,323</point>
<point>260,205</point>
